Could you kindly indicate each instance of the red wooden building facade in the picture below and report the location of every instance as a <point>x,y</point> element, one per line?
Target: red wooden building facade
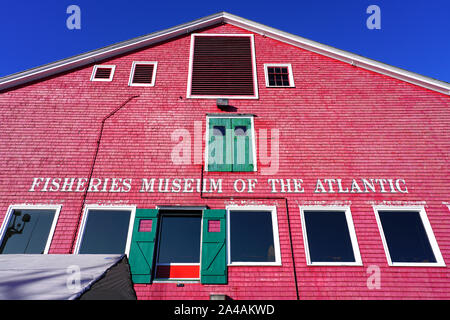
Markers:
<point>226,157</point>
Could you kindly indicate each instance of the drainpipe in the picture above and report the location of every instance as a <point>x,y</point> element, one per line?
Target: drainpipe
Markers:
<point>260,198</point>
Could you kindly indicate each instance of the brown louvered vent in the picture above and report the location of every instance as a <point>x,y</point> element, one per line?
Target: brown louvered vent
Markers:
<point>222,66</point>
<point>103,73</point>
<point>143,74</point>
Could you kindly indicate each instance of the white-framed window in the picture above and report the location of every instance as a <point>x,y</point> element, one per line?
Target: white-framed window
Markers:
<point>252,236</point>
<point>408,239</point>
<point>278,75</point>
<point>143,74</point>
<point>329,236</point>
<point>103,72</point>
<point>28,229</point>
<point>105,230</point>
<point>230,143</point>
<point>222,66</point>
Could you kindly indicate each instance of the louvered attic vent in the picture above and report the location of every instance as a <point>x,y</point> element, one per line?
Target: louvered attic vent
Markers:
<point>102,73</point>
<point>143,74</point>
<point>222,66</point>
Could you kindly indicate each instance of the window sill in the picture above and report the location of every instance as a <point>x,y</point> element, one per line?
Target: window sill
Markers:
<point>176,281</point>
<point>255,264</point>
<point>335,264</point>
<point>221,97</point>
<point>287,87</point>
<point>416,264</point>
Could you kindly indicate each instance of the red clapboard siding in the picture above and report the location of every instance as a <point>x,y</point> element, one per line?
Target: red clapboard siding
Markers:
<point>222,66</point>
<point>340,121</point>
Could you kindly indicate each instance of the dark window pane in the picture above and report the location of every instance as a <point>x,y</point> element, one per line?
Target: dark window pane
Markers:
<point>406,237</point>
<point>328,236</point>
<point>271,79</point>
<point>219,131</point>
<point>27,231</point>
<point>143,73</point>
<point>251,236</point>
<point>179,240</point>
<point>278,79</point>
<point>103,73</point>
<point>240,130</point>
<point>278,76</point>
<point>105,232</point>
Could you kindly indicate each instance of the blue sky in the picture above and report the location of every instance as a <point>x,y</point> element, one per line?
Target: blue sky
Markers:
<point>414,34</point>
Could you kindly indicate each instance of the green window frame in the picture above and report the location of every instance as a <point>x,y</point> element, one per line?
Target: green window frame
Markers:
<point>230,144</point>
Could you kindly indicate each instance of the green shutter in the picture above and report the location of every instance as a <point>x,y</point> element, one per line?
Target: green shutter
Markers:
<point>242,145</point>
<point>143,247</point>
<point>219,149</point>
<point>214,259</point>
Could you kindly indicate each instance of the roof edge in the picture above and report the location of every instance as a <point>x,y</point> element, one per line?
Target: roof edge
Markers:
<point>106,52</point>
<point>345,56</point>
<point>159,36</point>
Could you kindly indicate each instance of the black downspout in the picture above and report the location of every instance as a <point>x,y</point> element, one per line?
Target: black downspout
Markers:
<point>260,198</point>
<point>92,167</point>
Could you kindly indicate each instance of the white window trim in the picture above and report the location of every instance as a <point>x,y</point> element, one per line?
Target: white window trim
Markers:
<point>133,67</point>
<point>191,56</point>
<point>428,230</point>
<point>291,76</point>
<point>132,210</point>
<point>94,70</point>
<point>11,208</point>
<point>253,139</point>
<point>276,237</point>
<point>351,230</point>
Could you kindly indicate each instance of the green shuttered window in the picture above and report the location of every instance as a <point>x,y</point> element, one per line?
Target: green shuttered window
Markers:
<point>143,251</point>
<point>230,145</point>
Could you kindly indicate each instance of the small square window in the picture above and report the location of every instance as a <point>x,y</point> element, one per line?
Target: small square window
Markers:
<point>28,229</point>
<point>145,225</point>
<point>105,230</point>
<point>407,237</point>
<point>213,225</point>
<point>143,73</point>
<point>253,236</point>
<point>103,73</point>
<point>330,238</point>
<point>278,75</point>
